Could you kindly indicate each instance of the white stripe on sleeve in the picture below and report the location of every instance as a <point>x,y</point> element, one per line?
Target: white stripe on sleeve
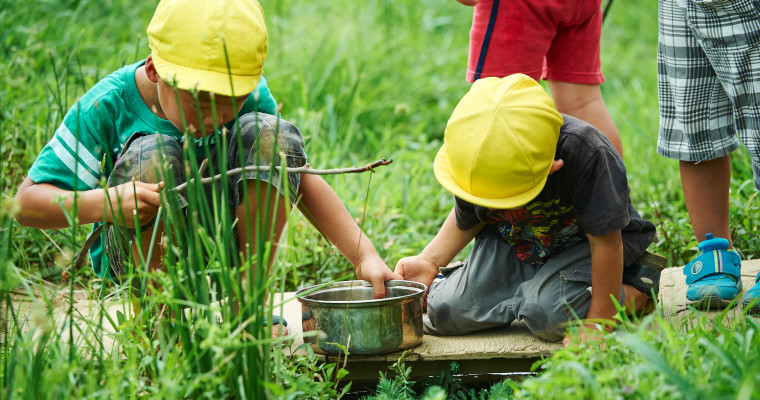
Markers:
<point>68,160</point>
<point>80,151</point>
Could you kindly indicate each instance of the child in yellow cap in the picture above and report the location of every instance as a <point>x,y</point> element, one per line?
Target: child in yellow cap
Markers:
<point>545,197</point>
<point>215,49</point>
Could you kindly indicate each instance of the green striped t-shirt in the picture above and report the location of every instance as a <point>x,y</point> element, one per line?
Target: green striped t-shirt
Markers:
<point>97,126</point>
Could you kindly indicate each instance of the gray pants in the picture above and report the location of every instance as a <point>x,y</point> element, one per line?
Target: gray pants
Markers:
<point>493,288</point>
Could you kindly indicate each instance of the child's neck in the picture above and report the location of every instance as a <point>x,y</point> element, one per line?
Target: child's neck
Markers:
<point>148,92</point>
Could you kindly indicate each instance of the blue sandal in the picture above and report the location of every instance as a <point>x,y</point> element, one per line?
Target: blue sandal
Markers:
<point>752,297</point>
<point>714,275</point>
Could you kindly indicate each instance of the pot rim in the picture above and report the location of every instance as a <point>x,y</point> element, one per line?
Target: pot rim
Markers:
<point>303,294</point>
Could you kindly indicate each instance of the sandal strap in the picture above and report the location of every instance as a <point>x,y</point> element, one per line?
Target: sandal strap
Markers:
<point>276,319</point>
<point>713,262</point>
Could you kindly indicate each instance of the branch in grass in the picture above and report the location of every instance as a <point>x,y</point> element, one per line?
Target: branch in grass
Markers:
<point>79,261</point>
<point>306,169</point>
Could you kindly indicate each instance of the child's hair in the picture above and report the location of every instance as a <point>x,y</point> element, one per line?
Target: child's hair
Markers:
<point>217,46</point>
<point>499,143</point>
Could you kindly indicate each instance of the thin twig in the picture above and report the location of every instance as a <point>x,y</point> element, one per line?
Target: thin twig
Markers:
<point>79,261</point>
<point>52,241</point>
<point>306,169</point>
<point>202,169</point>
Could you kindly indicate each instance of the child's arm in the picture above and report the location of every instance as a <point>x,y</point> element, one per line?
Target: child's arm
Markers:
<point>330,216</point>
<point>39,208</point>
<point>449,241</point>
<point>606,274</point>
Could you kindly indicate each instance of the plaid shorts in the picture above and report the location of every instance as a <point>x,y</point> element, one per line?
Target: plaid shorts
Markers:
<point>708,63</point>
<point>143,155</point>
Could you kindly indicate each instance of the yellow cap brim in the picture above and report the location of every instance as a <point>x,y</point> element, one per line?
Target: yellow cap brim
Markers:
<point>209,81</point>
<point>442,170</point>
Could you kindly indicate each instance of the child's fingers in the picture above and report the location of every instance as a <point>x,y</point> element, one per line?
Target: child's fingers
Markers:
<point>150,186</point>
<point>148,193</point>
<point>400,268</point>
<point>400,271</point>
<point>154,199</point>
<point>378,288</point>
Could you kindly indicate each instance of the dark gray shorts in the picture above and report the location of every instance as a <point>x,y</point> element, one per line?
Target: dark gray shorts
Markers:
<point>143,155</point>
<point>494,288</point>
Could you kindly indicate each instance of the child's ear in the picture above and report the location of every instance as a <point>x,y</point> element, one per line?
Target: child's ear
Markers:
<point>150,70</point>
<point>556,165</point>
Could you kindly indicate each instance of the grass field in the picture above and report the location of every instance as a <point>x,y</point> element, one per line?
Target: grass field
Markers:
<point>362,80</point>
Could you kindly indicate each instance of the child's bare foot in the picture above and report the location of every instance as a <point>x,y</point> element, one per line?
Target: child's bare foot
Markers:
<point>279,327</point>
<point>279,331</point>
<point>635,300</point>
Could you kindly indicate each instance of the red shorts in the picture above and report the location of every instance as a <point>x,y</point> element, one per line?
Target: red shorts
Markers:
<point>548,39</point>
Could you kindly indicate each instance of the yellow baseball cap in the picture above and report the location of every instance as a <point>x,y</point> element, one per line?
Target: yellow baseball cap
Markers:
<point>188,39</point>
<point>499,143</point>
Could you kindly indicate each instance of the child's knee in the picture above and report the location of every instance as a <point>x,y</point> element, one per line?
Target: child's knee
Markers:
<point>439,318</point>
<point>263,138</point>
<point>546,321</point>
<point>549,313</point>
<point>450,312</point>
<point>439,312</point>
<point>146,157</point>
<point>268,135</point>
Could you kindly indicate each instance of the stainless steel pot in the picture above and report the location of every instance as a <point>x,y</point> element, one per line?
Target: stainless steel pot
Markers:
<point>344,314</point>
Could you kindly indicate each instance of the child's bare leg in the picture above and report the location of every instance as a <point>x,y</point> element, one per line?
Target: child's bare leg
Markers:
<point>276,214</point>
<point>705,191</point>
<point>713,277</point>
<point>139,255</point>
<point>156,253</point>
<point>585,102</point>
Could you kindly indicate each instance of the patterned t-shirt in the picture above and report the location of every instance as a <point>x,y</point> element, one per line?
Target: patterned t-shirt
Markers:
<point>86,145</point>
<point>588,195</point>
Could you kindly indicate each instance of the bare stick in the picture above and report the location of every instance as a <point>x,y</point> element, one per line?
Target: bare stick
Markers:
<point>202,169</point>
<point>79,261</point>
<point>306,169</point>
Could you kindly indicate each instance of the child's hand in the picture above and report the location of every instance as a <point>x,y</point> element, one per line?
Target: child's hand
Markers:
<point>418,269</point>
<point>130,198</point>
<point>376,272</point>
<point>590,332</point>
<point>468,2</point>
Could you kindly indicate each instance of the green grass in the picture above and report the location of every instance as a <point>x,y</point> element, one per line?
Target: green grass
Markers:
<point>362,80</point>
<point>696,359</point>
<point>648,359</point>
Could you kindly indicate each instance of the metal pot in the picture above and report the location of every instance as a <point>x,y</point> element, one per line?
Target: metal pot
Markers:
<point>344,315</point>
